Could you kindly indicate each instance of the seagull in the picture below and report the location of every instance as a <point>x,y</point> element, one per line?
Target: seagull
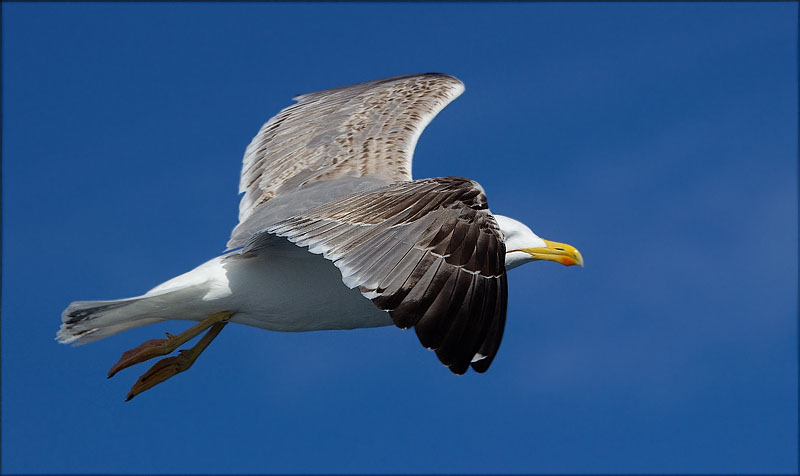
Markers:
<point>334,233</point>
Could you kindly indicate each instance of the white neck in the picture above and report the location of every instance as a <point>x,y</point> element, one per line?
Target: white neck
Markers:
<point>517,237</point>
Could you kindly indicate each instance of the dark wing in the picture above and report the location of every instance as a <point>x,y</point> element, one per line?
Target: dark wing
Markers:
<point>429,252</point>
<point>366,129</point>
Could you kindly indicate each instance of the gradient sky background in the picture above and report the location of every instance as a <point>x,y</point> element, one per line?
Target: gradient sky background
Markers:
<point>659,138</point>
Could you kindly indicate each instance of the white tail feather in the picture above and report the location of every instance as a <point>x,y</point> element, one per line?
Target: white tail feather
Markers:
<point>88,321</point>
<point>189,296</point>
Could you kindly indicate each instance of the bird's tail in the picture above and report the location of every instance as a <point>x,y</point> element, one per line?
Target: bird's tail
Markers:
<point>182,298</point>
<point>87,321</point>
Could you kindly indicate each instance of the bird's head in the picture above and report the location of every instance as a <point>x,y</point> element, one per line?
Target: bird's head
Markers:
<point>522,245</point>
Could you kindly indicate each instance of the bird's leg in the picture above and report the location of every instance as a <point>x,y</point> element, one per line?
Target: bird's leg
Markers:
<point>171,366</point>
<point>158,347</point>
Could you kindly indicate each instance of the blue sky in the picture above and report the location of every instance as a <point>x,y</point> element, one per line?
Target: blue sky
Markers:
<point>658,138</point>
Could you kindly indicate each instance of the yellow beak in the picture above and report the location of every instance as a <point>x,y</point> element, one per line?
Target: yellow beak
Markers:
<point>558,252</point>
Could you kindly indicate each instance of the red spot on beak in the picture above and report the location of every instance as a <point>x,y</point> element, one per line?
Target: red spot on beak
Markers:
<point>566,261</point>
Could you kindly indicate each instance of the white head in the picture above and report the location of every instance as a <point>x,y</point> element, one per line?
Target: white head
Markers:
<point>522,245</point>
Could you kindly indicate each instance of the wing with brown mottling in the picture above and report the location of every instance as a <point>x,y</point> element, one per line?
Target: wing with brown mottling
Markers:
<point>366,129</point>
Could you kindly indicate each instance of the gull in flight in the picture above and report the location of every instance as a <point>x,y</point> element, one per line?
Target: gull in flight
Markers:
<point>334,233</point>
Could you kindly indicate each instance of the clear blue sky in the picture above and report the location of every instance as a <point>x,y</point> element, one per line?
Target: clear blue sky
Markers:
<point>658,138</point>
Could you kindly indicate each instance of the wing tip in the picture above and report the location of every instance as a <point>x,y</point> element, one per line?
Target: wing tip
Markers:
<point>459,85</point>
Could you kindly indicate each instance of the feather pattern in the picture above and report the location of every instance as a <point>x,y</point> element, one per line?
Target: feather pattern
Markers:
<point>428,252</point>
<point>366,129</point>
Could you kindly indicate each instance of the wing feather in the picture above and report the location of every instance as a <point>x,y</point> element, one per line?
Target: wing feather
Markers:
<point>428,252</point>
<point>366,129</point>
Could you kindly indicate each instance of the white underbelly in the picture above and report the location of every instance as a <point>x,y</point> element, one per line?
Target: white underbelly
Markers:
<point>298,291</point>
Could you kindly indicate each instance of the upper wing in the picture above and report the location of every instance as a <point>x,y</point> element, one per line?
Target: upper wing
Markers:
<point>429,252</point>
<point>365,129</point>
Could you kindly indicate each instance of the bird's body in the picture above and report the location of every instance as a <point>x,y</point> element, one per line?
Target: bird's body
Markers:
<point>335,234</point>
<point>263,288</point>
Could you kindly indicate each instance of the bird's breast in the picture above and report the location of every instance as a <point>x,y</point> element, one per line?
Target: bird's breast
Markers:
<point>294,291</point>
